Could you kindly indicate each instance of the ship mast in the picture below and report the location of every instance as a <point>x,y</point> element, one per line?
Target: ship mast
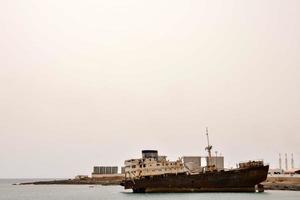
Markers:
<point>208,148</point>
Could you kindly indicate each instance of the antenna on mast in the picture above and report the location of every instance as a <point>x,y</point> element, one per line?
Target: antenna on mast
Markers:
<point>292,161</point>
<point>286,162</point>
<point>280,167</point>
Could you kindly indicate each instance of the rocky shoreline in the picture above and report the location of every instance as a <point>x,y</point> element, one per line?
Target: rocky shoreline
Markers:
<point>282,183</point>
<point>272,183</point>
<point>109,180</point>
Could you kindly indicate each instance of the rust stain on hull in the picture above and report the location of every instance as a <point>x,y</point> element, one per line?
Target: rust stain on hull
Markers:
<point>237,180</point>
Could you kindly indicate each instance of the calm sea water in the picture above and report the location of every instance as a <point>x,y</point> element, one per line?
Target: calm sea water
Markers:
<point>86,192</point>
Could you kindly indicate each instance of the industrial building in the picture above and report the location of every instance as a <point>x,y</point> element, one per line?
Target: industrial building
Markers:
<point>218,161</point>
<point>196,161</point>
<point>100,171</point>
<point>287,170</point>
<point>192,159</point>
<point>122,170</point>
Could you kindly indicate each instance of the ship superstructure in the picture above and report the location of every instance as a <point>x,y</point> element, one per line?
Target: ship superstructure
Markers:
<point>151,164</point>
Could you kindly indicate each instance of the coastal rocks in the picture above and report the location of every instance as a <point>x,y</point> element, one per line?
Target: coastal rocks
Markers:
<point>282,183</point>
<point>106,180</point>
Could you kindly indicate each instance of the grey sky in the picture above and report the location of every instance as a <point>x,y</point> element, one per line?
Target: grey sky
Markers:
<point>88,83</point>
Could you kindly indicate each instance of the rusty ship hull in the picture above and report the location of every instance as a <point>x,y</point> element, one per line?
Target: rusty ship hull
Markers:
<point>235,180</point>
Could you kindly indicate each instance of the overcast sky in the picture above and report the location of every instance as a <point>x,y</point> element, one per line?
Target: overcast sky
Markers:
<point>87,83</point>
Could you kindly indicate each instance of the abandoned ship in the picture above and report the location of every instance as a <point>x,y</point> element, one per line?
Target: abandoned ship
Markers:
<point>154,173</point>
